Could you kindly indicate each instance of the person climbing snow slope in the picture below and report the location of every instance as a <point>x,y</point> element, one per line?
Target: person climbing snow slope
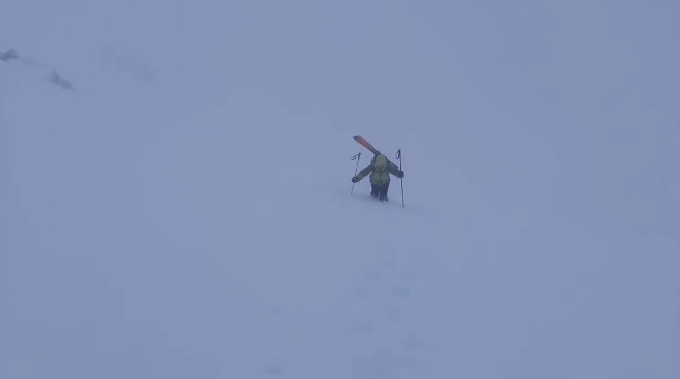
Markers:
<point>379,170</point>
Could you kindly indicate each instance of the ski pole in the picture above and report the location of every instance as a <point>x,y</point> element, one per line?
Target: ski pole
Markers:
<point>398,156</point>
<point>357,157</point>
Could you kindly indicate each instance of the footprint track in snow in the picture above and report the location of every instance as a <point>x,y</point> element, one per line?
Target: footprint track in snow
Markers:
<point>385,285</point>
<point>382,294</point>
<point>273,369</point>
<point>401,291</point>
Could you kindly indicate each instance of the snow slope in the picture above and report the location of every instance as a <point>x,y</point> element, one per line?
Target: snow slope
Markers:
<point>184,210</point>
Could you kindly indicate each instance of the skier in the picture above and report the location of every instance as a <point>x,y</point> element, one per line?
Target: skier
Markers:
<point>380,170</point>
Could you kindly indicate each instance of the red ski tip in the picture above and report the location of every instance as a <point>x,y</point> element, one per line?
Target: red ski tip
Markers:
<point>365,144</point>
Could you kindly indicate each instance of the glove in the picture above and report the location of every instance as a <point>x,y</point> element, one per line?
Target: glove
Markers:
<point>355,179</point>
<point>400,174</point>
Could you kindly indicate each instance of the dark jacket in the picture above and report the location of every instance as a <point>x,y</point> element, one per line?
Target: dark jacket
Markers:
<point>380,170</point>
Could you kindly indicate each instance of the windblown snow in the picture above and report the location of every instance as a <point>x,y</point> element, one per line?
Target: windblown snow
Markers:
<point>175,194</point>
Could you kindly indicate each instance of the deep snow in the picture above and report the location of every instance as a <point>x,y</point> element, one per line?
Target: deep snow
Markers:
<point>185,212</point>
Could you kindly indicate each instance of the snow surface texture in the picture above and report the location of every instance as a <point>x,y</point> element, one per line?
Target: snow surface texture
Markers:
<point>183,209</point>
